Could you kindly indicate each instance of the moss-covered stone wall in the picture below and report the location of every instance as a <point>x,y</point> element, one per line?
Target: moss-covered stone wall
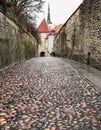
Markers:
<point>15,43</point>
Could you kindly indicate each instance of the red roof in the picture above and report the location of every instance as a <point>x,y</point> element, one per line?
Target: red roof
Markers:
<point>43,27</point>
<point>57,28</point>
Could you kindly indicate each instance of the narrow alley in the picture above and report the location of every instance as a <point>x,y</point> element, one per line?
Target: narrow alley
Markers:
<point>46,93</point>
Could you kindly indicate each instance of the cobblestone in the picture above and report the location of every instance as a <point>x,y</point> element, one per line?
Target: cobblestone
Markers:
<point>46,93</point>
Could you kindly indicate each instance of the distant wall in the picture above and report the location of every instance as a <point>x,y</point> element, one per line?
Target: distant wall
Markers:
<point>15,43</point>
<point>80,37</point>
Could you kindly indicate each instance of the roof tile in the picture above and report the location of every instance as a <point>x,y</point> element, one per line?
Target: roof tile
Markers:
<point>43,27</point>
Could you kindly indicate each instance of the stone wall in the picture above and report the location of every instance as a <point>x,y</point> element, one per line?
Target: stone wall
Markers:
<point>80,37</point>
<point>15,43</point>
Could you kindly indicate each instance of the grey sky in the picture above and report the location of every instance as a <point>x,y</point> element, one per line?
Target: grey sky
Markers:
<point>60,10</point>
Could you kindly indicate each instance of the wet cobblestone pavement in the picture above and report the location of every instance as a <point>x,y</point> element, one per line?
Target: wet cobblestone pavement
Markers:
<point>45,93</point>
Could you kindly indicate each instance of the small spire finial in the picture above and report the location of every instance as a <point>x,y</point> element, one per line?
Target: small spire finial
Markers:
<point>48,17</point>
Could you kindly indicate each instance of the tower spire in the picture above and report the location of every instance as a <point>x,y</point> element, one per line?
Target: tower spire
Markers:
<point>48,16</point>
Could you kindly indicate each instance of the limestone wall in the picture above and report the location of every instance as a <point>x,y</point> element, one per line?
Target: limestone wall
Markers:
<point>15,43</point>
<point>91,32</point>
<point>80,37</point>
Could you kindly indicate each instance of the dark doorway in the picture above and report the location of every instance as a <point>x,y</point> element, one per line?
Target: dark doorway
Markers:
<point>52,54</point>
<point>42,54</point>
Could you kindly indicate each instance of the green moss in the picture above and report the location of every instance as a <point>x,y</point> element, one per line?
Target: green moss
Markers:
<point>29,49</point>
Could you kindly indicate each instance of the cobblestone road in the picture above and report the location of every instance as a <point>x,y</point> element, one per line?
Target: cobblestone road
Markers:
<point>45,93</point>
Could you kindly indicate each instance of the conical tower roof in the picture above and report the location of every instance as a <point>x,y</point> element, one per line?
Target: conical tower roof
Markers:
<point>43,27</point>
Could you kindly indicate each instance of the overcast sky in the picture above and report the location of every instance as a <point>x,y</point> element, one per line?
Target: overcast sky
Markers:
<point>60,10</point>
